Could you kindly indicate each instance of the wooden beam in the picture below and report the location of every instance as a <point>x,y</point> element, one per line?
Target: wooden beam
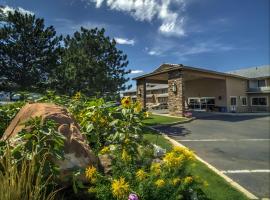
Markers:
<point>157,81</point>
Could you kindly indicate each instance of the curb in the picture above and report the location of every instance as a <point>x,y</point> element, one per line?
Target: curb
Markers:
<point>187,120</point>
<point>226,178</point>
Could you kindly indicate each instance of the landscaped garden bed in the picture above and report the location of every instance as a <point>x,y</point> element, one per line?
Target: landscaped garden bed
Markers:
<point>128,166</point>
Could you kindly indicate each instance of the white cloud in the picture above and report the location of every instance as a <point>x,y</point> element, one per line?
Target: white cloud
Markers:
<point>68,26</point>
<point>7,9</point>
<point>124,41</point>
<point>165,47</point>
<point>172,21</point>
<point>136,71</point>
<point>154,52</point>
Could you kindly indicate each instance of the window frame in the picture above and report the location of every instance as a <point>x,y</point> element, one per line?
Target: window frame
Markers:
<point>259,81</point>
<point>244,97</point>
<point>259,97</point>
<point>236,102</point>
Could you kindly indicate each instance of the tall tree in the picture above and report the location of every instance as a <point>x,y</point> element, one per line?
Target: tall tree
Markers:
<point>28,51</point>
<point>91,64</point>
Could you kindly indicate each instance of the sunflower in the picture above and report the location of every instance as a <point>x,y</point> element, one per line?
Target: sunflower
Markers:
<point>138,107</point>
<point>126,102</point>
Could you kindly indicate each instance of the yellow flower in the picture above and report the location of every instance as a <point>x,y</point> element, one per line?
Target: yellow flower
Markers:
<point>105,150</point>
<point>173,160</point>
<point>188,180</point>
<point>146,114</point>
<point>140,175</point>
<point>125,156</point>
<point>175,181</point>
<point>120,188</point>
<point>160,183</point>
<point>189,155</point>
<point>138,107</point>
<point>126,102</point>
<point>91,173</point>
<point>155,167</point>
<point>77,96</point>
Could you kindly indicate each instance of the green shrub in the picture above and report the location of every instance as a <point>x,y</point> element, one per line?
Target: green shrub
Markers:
<point>24,180</point>
<point>7,113</point>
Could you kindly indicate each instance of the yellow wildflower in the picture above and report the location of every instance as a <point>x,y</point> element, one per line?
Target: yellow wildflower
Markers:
<point>189,155</point>
<point>140,175</point>
<point>105,150</point>
<point>120,188</point>
<point>146,114</point>
<point>160,183</point>
<point>126,102</point>
<point>125,156</point>
<point>173,160</point>
<point>91,173</point>
<point>77,96</point>
<point>155,167</point>
<point>138,107</point>
<point>188,180</point>
<point>175,181</point>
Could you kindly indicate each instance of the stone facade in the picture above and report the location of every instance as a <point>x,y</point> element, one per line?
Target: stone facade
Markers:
<point>141,92</point>
<point>176,100</point>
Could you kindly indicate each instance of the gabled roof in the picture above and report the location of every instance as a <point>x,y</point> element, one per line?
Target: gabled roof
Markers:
<point>166,67</point>
<point>253,72</point>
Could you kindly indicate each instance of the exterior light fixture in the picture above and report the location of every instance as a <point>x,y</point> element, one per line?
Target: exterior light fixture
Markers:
<point>174,87</point>
<point>139,92</point>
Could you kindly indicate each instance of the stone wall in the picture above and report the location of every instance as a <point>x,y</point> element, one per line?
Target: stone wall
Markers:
<point>176,99</point>
<point>141,92</point>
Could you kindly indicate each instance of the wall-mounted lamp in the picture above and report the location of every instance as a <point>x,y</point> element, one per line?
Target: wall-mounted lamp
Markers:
<point>139,92</point>
<point>174,87</point>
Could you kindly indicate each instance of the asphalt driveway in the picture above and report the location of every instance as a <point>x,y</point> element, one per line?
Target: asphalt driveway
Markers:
<point>237,144</point>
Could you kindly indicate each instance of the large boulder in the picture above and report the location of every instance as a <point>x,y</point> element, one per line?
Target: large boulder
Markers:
<point>77,153</point>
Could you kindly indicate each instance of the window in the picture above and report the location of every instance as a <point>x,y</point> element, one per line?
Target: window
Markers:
<point>259,101</point>
<point>244,101</point>
<point>233,101</point>
<point>261,83</point>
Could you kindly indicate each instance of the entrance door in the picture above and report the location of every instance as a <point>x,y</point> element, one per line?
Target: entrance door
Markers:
<point>233,104</point>
<point>201,103</point>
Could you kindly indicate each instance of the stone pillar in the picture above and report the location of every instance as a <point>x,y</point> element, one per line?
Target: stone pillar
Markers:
<point>141,92</point>
<point>176,99</point>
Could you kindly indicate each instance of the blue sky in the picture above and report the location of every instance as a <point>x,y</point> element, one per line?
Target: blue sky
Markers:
<point>214,34</point>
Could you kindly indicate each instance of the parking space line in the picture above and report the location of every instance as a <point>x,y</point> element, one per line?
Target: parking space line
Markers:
<point>226,140</point>
<point>246,171</point>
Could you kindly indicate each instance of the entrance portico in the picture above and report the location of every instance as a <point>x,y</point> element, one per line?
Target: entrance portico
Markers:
<point>191,88</point>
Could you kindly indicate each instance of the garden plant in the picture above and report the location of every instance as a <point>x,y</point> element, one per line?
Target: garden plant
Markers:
<point>112,130</point>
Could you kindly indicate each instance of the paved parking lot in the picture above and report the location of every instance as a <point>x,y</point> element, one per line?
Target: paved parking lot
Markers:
<point>238,145</point>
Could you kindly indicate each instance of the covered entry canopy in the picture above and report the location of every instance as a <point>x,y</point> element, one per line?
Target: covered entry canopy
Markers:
<point>185,83</point>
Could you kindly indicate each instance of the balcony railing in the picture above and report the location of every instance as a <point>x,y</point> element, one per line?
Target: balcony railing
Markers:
<point>265,89</point>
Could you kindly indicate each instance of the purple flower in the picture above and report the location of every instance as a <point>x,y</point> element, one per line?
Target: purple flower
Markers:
<point>133,197</point>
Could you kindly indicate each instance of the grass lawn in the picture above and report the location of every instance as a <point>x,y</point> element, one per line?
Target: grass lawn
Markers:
<point>218,188</point>
<point>158,120</point>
